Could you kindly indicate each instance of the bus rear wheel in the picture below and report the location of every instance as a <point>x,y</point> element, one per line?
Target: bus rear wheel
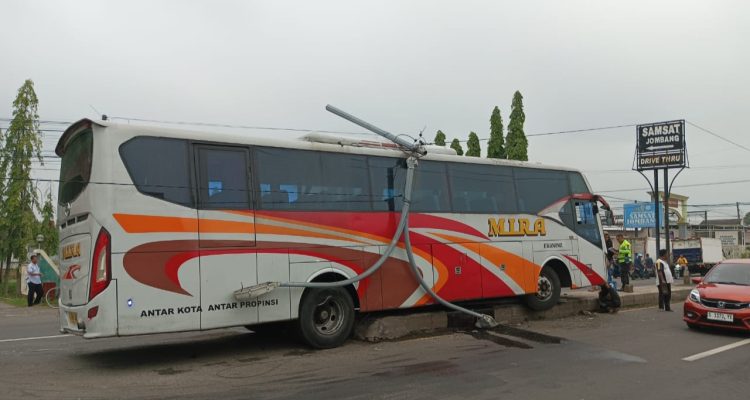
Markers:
<point>326,317</point>
<point>548,291</point>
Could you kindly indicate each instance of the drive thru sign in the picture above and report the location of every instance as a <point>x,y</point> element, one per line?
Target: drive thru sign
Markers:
<point>661,145</point>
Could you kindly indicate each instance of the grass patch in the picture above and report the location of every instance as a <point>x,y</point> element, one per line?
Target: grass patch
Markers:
<point>8,294</point>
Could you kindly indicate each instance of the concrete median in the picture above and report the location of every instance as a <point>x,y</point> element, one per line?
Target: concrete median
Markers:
<point>376,327</point>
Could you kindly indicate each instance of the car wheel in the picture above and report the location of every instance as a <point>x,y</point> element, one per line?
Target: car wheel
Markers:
<point>548,291</point>
<point>326,317</point>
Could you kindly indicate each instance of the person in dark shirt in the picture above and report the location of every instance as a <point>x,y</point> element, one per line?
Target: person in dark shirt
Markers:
<point>609,300</point>
<point>649,266</point>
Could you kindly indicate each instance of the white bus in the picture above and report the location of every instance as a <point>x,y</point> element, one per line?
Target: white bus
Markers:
<point>159,227</point>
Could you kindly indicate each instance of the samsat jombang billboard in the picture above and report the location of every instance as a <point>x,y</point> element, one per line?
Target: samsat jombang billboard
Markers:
<point>641,215</point>
<point>661,145</point>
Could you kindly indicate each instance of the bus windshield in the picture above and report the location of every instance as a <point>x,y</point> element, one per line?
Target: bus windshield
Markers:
<point>75,168</point>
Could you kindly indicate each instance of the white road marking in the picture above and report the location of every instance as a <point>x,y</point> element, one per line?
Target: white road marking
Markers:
<point>33,338</point>
<point>717,350</point>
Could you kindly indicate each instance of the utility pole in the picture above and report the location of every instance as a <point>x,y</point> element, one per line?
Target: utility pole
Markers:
<point>656,211</point>
<point>666,214</point>
<point>739,218</point>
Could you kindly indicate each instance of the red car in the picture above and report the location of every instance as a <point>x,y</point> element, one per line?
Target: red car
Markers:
<point>722,297</point>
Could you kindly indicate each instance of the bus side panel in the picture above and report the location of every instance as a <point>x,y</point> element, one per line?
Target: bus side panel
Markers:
<point>371,289</point>
<point>593,258</point>
<point>152,244</point>
<point>277,305</point>
<point>322,263</point>
<point>464,281</point>
<point>505,272</point>
<point>220,276</point>
<point>145,309</point>
<point>400,288</point>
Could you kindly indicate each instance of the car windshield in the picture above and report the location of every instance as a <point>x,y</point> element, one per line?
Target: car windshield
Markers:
<point>733,274</point>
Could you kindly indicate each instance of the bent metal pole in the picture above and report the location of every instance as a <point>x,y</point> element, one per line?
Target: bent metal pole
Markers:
<point>415,149</point>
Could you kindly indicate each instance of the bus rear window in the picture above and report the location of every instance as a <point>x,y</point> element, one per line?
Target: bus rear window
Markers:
<point>75,168</point>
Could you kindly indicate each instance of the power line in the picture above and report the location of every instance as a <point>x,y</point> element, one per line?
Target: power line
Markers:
<point>679,186</point>
<point>42,121</point>
<point>704,167</point>
<point>719,136</point>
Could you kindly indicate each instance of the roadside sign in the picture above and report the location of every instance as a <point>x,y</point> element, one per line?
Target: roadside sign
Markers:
<point>661,145</point>
<point>641,215</point>
<point>728,238</point>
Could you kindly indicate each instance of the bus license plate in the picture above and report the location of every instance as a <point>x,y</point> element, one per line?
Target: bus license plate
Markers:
<point>715,316</point>
<point>73,320</point>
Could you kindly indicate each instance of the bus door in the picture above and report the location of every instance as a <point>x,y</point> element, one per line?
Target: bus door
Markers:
<point>580,217</point>
<point>562,245</point>
<point>226,231</point>
<point>588,232</point>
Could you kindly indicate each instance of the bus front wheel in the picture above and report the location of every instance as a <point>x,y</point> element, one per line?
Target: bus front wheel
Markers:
<point>326,317</point>
<point>548,291</point>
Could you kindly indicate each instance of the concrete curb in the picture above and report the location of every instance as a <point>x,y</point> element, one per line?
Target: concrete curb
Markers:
<point>379,327</point>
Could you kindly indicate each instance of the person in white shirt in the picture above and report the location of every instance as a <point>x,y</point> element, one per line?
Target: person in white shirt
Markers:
<point>34,280</point>
<point>664,280</point>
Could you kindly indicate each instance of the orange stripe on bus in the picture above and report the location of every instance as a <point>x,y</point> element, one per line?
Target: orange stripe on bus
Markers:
<point>160,224</point>
<point>278,230</point>
<point>515,265</point>
<point>327,227</point>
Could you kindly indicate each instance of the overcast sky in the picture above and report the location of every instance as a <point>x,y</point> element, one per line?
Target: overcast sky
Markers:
<point>404,65</point>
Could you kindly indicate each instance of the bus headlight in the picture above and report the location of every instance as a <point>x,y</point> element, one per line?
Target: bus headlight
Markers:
<point>695,296</point>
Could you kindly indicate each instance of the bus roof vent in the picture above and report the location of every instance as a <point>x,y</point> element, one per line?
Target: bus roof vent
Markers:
<point>317,137</point>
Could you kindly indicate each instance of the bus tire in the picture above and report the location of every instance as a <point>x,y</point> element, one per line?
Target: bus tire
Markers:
<point>548,291</point>
<point>326,317</point>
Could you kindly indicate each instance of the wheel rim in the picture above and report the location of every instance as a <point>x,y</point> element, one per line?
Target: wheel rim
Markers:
<point>328,317</point>
<point>544,288</point>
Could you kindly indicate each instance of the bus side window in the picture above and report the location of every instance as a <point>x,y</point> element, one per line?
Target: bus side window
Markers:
<point>223,178</point>
<point>159,168</point>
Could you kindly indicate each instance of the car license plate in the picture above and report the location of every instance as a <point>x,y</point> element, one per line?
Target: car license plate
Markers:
<point>73,320</point>
<point>715,316</point>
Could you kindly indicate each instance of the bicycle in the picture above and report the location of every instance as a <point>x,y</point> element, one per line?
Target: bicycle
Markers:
<point>52,296</point>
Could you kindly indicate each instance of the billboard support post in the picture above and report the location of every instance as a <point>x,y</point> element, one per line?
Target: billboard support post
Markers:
<point>666,214</point>
<point>656,212</point>
<point>661,145</point>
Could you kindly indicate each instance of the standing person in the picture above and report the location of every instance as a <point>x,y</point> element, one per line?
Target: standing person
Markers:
<point>610,259</point>
<point>624,258</point>
<point>639,267</point>
<point>34,281</point>
<point>664,280</point>
<point>683,263</point>
<point>649,266</point>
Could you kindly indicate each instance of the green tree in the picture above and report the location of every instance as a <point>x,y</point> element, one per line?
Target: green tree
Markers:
<point>746,220</point>
<point>47,228</point>
<point>472,146</point>
<point>440,138</point>
<point>516,144</point>
<point>456,145</point>
<point>496,144</point>
<point>22,142</point>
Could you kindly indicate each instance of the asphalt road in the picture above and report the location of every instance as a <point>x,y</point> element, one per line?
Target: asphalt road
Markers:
<point>636,354</point>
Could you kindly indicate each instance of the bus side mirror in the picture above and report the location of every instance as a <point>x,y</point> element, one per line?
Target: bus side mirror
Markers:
<point>609,217</point>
